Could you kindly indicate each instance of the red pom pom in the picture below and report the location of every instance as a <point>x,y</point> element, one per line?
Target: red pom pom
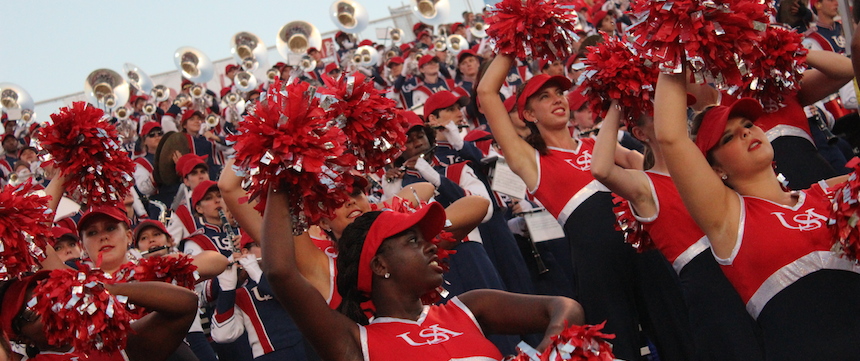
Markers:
<point>634,233</point>
<point>533,28</point>
<point>174,269</point>
<point>25,221</point>
<point>77,310</point>
<point>288,140</point>
<point>84,147</point>
<point>846,214</point>
<point>776,67</point>
<point>711,37</point>
<point>615,72</point>
<point>373,128</point>
<point>575,343</point>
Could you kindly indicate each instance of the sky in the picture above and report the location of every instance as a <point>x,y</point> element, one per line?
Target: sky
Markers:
<point>49,47</point>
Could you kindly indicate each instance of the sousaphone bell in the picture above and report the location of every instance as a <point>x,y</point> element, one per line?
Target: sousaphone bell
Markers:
<point>456,43</point>
<point>106,89</point>
<point>245,81</point>
<point>349,16</point>
<point>366,56</point>
<point>137,78</point>
<point>249,51</point>
<point>296,37</point>
<point>479,30</point>
<point>15,101</point>
<point>431,12</point>
<point>194,65</point>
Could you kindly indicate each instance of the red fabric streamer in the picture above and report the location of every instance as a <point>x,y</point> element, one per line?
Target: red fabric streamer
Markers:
<point>846,214</point>
<point>575,343</point>
<point>25,225</point>
<point>712,37</point>
<point>614,71</point>
<point>776,68</point>
<point>77,310</point>
<point>287,141</point>
<point>373,127</point>
<point>532,29</point>
<point>633,230</point>
<point>84,147</point>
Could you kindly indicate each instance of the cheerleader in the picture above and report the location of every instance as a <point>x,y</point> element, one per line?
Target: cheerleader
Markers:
<point>388,258</point>
<point>774,246</point>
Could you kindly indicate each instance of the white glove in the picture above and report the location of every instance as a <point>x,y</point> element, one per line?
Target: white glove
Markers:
<point>249,263</point>
<point>427,172</point>
<point>227,280</point>
<point>452,135</point>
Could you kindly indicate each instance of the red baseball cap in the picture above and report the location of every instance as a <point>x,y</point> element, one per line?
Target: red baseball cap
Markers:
<point>186,83</point>
<point>542,63</point>
<point>576,100</point>
<point>430,220</point>
<point>188,162</point>
<point>190,113</point>
<point>466,52</point>
<point>536,83</point>
<point>511,103</point>
<point>331,66</point>
<point>62,232</point>
<point>422,34</point>
<point>147,224</point>
<point>201,189</point>
<point>442,100</point>
<point>230,67</point>
<point>395,60</point>
<point>365,42</point>
<point>714,123</point>
<point>280,65</point>
<point>412,120</point>
<point>115,213</point>
<point>14,298</point>
<point>454,27</point>
<point>311,50</point>
<point>404,48</point>
<point>426,59</point>
<point>148,127</point>
<point>245,240</point>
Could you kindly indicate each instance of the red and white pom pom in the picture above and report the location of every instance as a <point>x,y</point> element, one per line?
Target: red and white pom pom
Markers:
<point>287,140</point>
<point>173,269</point>
<point>633,230</point>
<point>614,71</point>
<point>711,37</point>
<point>373,126</point>
<point>533,29</point>
<point>776,68</point>
<point>83,146</point>
<point>575,343</point>
<point>846,214</point>
<point>25,221</point>
<point>77,310</point>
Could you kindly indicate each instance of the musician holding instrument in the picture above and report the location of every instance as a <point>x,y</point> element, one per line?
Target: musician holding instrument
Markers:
<point>150,135</point>
<point>193,170</point>
<point>230,72</point>
<point>216,233</point>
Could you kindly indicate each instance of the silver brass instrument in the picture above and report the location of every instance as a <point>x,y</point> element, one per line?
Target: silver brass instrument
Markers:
<point>149,109</point>
<point>349,16</point>
<point>249,51</point>
<point>13,98</point>
<point>197,92</point>
<point>160,93</point>
<point>431,12</point>
<point>307,64</point>
<point>26,115</point>
<point>272,74</point>
<point>457,43</point>
<point>232,98</point>
<point>366,56</point>
<point>137,78</point>
<point>212,121</point>
<point>229,232</point>
<point>245,81</point>
<point>106,89</point>
<point>479,30</point>
<point>396,35</point>
<point>122,113</point>
<point>180,99</point>
<point>297,37</point>
<point>194,65</point>
<point>440,44</point>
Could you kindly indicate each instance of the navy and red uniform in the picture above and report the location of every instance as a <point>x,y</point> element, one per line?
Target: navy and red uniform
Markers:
<point>608,274</point>
<point>252,308</point>
<point>720,326</point>
<point>209,237</point>
<point>415,90</point>
<point>444,332</point>
<point>201,146</point>
<point>805,298</point>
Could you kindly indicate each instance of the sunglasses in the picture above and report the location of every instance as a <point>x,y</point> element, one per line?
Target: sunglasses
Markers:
<point>155,134</point>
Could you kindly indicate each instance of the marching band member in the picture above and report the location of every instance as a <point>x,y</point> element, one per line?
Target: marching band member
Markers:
<point>193,170</point>
<point>151,135</point>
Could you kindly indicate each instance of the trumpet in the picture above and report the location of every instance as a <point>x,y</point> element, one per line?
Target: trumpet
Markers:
<point>180,99</point>
<point>197,91</point>
<point>229,232</point>
<point>16,180</point>
<point>390,54</point>
<point>212,120</point>
<point>160,93</point>
<point>149,109</point>
<point>440,45</point>
<point>122,113</point>
<point>232,98</point>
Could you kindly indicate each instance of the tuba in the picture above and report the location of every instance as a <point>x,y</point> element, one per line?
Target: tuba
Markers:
<point>106,89</point>
<point>197,92</point>
<point>137,78</point>
<point>349,16</point>
<point>396,35</point>
<point>194,65</point>
<point>248,50</point>
<point>297,37</point>
<point>245,81</point>
<point>15,99</point>
<point>307,64</point>
<point>180,99</point>
<point>431,12</point>
<point>212,121</point>
<point>440,44</point>
<point>272,74</point>
<point>456,43</point>
<point>149,109</point>
<point>365,56</point>
<point>479,30</point>
<point>160,93</point>
<point>122,113</point>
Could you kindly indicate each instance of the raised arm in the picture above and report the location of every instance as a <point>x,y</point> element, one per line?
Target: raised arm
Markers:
<point>830,72</point>
<point>334,336</point>
<point>501,312</point>
<point>518,153</point>
<point>159,333</point>
<point>630,184</point>
<point>713,206</point>
<point>465,214</point>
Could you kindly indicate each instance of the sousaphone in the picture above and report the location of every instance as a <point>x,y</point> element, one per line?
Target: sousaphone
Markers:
<point>164,168</point>
<point>106,89</point>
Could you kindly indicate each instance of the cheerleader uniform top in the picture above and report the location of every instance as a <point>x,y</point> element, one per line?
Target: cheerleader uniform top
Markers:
<point>777,245</point>
<point>74,355</point>
<point>565,180</point>
<point>330,249</point>
<point>442,332</point>
<point>673,231</point>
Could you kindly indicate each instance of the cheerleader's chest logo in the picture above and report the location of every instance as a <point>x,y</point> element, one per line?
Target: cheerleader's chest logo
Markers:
<point>806,221</point>
<point>429,336</point>
<point>581,162</point>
